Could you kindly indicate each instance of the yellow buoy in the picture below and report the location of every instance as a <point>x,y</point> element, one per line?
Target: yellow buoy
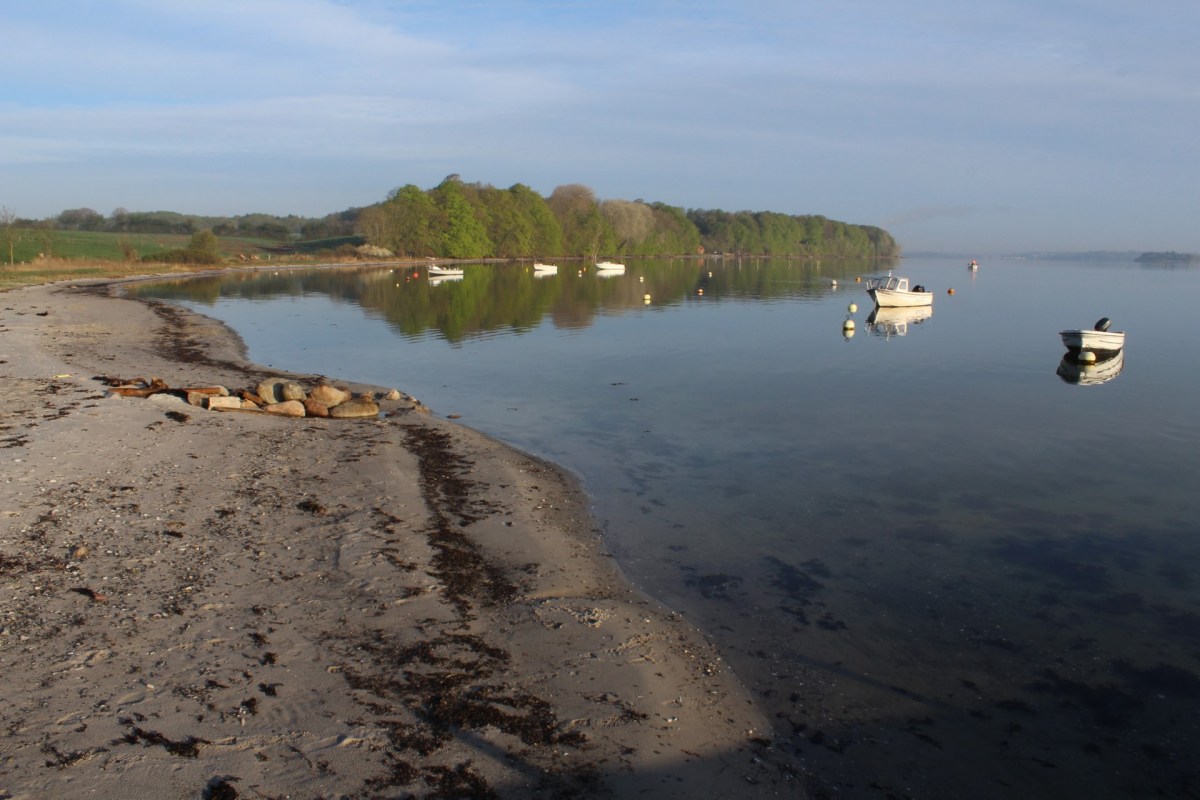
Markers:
<point>852,307</point>
<point>858,279</point>
<point>646,298</point>
<point>848,325</point>
<point>1086,356</point>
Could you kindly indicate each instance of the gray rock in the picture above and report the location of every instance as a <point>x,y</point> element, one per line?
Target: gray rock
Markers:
<point>167,399</point>
<point>290,390</point>
<point>269,390</point>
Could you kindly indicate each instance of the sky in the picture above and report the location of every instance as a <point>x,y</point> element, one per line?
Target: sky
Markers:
<point>983,127</point>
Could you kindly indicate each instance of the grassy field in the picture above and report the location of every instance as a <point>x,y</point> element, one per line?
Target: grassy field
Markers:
<point>43,256</point>
<point>32,243</point>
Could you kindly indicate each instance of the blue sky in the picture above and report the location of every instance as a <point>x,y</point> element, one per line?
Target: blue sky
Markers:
<point>984,127</point>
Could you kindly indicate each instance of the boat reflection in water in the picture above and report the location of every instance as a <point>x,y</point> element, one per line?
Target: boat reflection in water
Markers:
<point>889,322</point>
<point>1088,373</point>
<point>437,280</point>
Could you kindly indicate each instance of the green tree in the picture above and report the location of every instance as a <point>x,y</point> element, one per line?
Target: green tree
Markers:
<point>8,231</point>
<point>585,231</point>
<point>509,229</point>
<point>205,247</point>
<point>407,223</point>
<point>672,233</point>
<point>465,234</point>
<point>81,219</point>
<point>547,233</point>
<point>630,222</point>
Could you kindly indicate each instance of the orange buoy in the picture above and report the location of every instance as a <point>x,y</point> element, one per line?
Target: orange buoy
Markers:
<point>949,291</point>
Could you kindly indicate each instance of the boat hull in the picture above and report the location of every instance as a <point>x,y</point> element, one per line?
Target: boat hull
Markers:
<point>892,298</point>
<point>1093,341</point>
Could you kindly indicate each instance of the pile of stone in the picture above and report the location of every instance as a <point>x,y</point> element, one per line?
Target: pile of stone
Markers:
<point>285,398</point>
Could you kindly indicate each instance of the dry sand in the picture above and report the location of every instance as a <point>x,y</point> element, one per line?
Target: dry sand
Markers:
<point>215,605</point>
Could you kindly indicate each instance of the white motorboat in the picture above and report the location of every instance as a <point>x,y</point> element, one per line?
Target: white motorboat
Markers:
<point>889,322</point>
<point>436,271</point>
<point>1098,340</point>
<point>544,269</point>
<point>609,266</point>
<point>893,292</point>
<point>1090,373</point>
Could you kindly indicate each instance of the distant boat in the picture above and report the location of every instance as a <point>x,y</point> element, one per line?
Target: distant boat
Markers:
<point>610,266</point>
<point>892,292</point>
<point>435,271</point>
<point>545,269</point>
<point>1099,340</point>
<point>974,265</point>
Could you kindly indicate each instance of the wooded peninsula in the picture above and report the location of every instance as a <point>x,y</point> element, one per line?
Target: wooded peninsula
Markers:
<point>461,220</point>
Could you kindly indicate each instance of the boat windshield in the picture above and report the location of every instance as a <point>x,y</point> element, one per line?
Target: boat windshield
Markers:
<point>890,283</point>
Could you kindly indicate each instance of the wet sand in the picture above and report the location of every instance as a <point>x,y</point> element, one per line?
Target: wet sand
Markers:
<point>221,605</point>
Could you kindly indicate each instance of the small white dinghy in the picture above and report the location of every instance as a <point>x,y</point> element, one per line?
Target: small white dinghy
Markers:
<point>1098,341</point>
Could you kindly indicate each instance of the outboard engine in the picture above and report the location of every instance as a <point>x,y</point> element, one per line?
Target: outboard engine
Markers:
<point>1103,323</point>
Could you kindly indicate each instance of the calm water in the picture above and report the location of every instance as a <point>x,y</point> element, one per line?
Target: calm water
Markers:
<point>947,571</point>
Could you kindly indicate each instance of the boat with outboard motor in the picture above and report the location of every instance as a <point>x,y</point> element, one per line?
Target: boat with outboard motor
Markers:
<point>1098,341</point>
<point>893,292</point>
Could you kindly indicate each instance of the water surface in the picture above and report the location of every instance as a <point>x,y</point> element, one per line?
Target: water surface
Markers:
<point>946,570</point>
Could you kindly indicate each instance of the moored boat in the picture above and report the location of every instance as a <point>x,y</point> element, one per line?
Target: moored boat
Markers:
<point>893,292</point>
<point>1098,340</point>
<point>545,269</point>
<point>436,271</point>
<point>610,266</point>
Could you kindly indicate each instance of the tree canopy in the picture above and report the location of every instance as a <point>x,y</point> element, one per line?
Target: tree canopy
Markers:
<point>456,219</point>
<point>471,220</point>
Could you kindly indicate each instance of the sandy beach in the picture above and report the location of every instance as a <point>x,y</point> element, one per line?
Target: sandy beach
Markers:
<point>200,604</point>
